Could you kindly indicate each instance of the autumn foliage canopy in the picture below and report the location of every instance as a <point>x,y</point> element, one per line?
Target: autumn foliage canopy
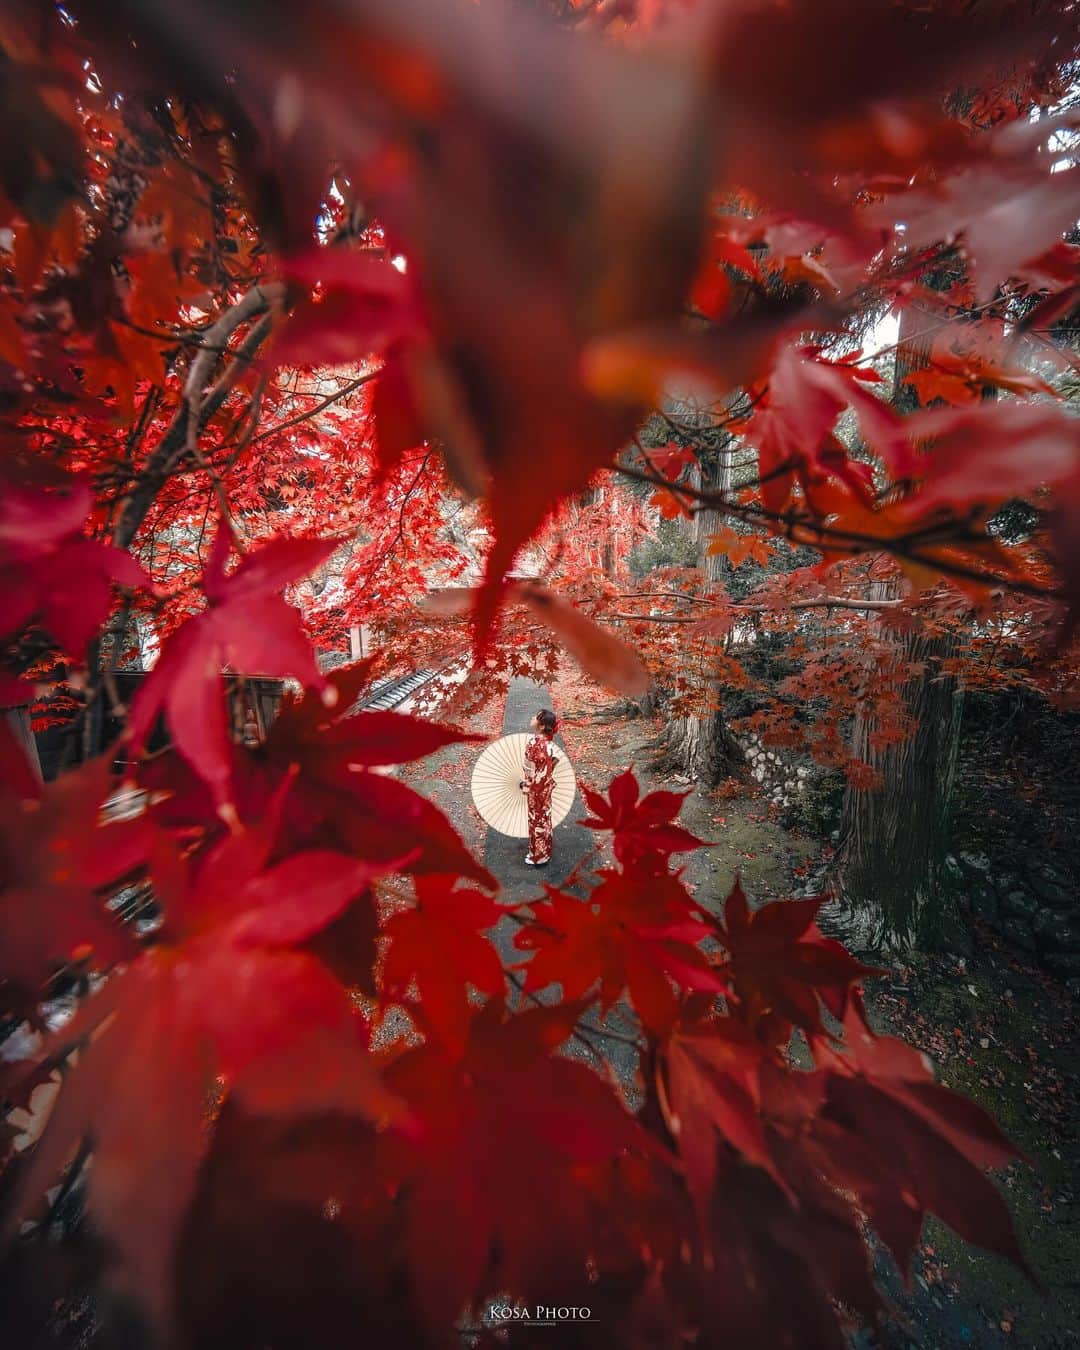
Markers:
<point>277,280</point>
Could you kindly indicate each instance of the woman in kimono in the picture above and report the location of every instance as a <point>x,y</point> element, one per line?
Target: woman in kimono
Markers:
<point>538,786</point>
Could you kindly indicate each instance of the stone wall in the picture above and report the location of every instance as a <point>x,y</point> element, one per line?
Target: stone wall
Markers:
<point>1036,909</point>
<point>783,776</point>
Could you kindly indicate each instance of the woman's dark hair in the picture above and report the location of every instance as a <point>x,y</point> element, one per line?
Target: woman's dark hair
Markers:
<point>547,721</point>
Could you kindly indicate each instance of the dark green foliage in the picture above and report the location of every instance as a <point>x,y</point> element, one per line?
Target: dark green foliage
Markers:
<point>816,811</point>
<point>743,580</point>
<point>670,547</point>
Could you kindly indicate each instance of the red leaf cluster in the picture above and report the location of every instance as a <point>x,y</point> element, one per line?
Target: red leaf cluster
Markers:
<point>643,828</point>
<point>50,572</point>
<point>247,626</point>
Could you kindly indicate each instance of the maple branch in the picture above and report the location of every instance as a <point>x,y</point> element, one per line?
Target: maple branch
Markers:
<point>247,434</point>
<point>74,1174</point>
<point>199,405</point>
<point>801,531</point>
<point>654,595</point>
<point>344,392</point>
<point>940,323</point>
<point>150,405</point>
<point>174,443</point>
<point>696,434</point>
<point>519,984</point>
<point>828,602</point>
<point>400,533</point>
<point>256,302</point>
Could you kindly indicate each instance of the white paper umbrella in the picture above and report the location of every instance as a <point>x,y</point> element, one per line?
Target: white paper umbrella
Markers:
<point>499,769</point>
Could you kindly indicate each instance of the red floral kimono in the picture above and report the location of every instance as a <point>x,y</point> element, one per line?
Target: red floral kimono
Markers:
<point>539,785</point>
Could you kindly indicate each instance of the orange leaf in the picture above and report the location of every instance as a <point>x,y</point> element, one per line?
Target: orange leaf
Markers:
<point>738,547</point>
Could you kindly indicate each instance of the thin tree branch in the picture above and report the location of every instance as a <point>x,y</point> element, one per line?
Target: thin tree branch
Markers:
<point>672,595</point>
<point>801,531</point>
<point>344,392</point>
<point>828,602</point>
<point>174,443</point>
<point>250,306</point>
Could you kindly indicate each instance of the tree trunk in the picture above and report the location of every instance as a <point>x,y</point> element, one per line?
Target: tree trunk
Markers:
<point>701,746</point>
<point>893,839</point>
<point>18,720</point>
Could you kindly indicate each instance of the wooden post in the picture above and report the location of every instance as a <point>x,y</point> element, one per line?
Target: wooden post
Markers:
<point>360,643</point>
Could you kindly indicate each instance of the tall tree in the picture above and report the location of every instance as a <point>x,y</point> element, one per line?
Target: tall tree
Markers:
<point>700,744</point>
<point>894,831</point>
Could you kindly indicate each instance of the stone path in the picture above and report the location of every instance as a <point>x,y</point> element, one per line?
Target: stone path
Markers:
<point>504,857</point>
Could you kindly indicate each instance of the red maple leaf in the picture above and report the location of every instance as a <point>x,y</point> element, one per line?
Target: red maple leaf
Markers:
<point>642,826</point>
<point>164,1034</point>
<point>781,967</point>
<point>959,376</point>
<point>49,570</point>
<point>671,460</point>
<point>58,864</point>
<point>599,652</point>
<point>393,407</point>
<point>247,626</point>
<point>324,756</point>
<point>221,1005</point>
<point>984,455</point>
<point>670,504</point>
<point>233,888</point>
<point>939,1143</point>
<point>18,776</point>
<point>738,547</point>
<point>507,1107</point>
<point>440,945</point>
<point>362,305</point>
<point>712,1096</point>
<point>336,797</point>
<point>806,1256</point>
<point>792,427</point>
<point>637,931</point>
